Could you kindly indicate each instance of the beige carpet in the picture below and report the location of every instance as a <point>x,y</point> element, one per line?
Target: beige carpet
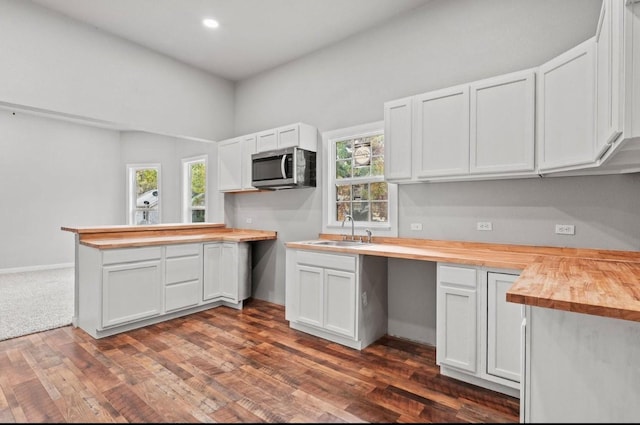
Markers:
<point>35,301</point>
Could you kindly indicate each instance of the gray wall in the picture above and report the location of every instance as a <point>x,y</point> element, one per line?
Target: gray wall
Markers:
<point>52,62</point>
<point>438,45</point>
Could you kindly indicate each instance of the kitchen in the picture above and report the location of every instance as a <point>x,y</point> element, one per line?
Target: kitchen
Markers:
<point>83,74</point>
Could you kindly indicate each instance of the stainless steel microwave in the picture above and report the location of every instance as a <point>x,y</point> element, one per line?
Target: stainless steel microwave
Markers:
<point>287,168</point>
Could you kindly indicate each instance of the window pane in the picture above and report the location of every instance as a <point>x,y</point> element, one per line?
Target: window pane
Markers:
<point>377,145</point>
<point>360,192</point>
<point>198,174</point>
<point>377,169</point>
<point>146,180</point>
<point>342,209</point>
<point>361,171</point>
<point>380,211</point>
<point>343,192</point>
<point>343,169</point>
<point>379,191</point>
<point>362,153</point>
<point>343,149</point>
<point>197,216</point>
<point>360,211</point>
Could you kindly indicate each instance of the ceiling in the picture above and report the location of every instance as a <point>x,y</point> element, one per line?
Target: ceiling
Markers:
<point>254,35</point>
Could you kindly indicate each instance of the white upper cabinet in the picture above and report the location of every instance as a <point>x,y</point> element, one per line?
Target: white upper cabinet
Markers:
<point>234,163</point>
<point>502,136</point>
<point>609,48</point>
<point>566,109</point>
<point>441,132</point>
<point>299,135</point>
<point>397,134</point>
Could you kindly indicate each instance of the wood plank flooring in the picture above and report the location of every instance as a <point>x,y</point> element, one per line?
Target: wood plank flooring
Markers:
<point>225,365</point>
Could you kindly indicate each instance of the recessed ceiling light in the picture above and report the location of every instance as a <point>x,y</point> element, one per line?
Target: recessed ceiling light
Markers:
<point>210,23</point>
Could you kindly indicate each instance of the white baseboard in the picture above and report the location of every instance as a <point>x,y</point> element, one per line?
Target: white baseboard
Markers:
<point>36,268</point>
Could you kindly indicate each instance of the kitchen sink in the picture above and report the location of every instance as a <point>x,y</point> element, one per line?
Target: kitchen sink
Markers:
<point>339,243</point>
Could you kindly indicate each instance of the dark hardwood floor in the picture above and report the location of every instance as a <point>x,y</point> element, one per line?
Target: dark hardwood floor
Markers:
<point>225,365</point>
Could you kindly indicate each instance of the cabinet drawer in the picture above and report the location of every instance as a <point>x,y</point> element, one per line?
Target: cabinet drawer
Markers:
<point>183,250</point>
<point>182,269</point>
<point>182,295</point>
<point>338,262</point>
<point>457,276</point>
<point>128,255</point>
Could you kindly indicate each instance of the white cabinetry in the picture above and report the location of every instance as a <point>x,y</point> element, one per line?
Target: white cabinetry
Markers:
<point>299,135</point>
<point>183,276</point>
<point>227,272</point>
<point>457,316</point>
<point>398,140</point>
<point>478,333</point>
<point>503,328</point>
<point>609,50</point>
<point>128,288</point>
<point>502,136</point>
<point>131,285</point>
<point>479,130</point>
<point>234,163</point>
<point>327,296</point>
<point>441,133</point>
<point>566,109</point>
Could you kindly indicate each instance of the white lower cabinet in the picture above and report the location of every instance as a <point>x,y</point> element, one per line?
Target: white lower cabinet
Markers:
<point>340,297</point>
<point>128,288</point>
<point>227,272</point>
<point>478,333</point>
<point>183,276</point>
<point>131,292</point>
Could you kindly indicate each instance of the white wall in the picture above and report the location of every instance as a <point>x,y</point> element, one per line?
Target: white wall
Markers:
<point>53,174</point>
<point>55,63</point>
<point>443,43</point>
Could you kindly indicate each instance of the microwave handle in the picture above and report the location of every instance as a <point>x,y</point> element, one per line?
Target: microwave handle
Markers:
<point>282,164</point>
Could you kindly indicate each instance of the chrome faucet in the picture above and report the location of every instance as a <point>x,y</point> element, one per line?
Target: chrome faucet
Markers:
<point>368,235</point>
<point>348,217</point>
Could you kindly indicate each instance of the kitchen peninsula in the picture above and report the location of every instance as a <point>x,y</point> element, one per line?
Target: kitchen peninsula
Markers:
<point>127,277</point>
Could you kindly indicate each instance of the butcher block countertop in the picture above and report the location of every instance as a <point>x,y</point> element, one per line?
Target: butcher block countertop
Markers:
<point>591,281</point>
<point>110,237</point>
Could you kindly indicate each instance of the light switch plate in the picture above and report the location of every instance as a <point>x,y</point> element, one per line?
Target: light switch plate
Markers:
<point>416,226</point>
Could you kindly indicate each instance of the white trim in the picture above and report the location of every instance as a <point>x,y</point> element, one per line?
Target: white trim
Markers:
<point>131,198</point>
<point>186,201</point>
<point>37,268</point>
<point>328,166</point>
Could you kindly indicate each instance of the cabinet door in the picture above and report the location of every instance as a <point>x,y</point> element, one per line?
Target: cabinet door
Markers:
<point>566,96</point>
<point>441,133</point>
<point>131,292</point>
<point>608,62</point>
<point>456,333</point>
<point>504,323</point>
<point>310,294</point>
<point>211,271</point>
<point>340,302</point>
<point>288,136</point>
<point>397,139</point>
<point>230,163</point>
<point>248,148</point>
<point>267,140</point>
<point>229,272</point>
<point>502,123</point>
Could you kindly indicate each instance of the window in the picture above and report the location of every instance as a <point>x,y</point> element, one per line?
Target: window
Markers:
<point>194,189</point>
<point>143,189</point>
<point>355,181</point>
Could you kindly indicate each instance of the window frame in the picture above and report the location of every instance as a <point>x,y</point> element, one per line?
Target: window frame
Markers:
<point>132,208</point>
<point>329,223</point>
<point>187,208</point>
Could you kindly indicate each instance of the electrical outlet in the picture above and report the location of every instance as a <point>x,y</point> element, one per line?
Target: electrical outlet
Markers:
<point>416,226</point>
<point>484,225</point>
<point>565,229</point>
<point>365,301</point>
<point>248,220</point>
